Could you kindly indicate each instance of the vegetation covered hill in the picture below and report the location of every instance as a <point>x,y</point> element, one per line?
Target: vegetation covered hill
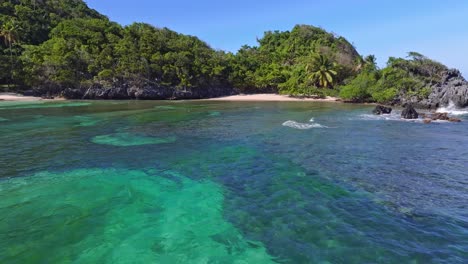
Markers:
<point>402,78</point>
<point>54,45</point>
<point>30,22</point>
<point>58,44</point>
<point>295,62</point>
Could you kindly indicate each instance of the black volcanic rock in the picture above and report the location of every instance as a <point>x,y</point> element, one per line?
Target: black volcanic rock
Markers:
<point>380,109</point>
<point>409,112</point>
<point>72,93</point>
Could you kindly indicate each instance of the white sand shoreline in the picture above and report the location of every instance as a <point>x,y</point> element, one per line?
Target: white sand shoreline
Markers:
<point>21,98</point>
<point>17,97</point>
<point>233,98</point>
<point>272,98</point>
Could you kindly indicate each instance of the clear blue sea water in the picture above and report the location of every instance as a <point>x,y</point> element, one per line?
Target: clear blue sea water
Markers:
<point>221,182</point>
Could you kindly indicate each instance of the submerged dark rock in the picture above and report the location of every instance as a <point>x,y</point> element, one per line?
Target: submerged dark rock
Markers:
<point>380,109</point>
<point>409,112</point>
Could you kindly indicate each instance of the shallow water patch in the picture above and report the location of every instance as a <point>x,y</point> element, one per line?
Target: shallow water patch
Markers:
<point>117,216</point>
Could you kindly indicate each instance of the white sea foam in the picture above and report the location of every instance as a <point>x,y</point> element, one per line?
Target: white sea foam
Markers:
<point>451,109</point>
<point>394,116</point>
<point>302,126</point>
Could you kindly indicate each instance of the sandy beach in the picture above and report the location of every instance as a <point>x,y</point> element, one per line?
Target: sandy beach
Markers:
<point>22,98</point>
<point>239,98</point>
<point>17,97</point>
<point>272,98</point>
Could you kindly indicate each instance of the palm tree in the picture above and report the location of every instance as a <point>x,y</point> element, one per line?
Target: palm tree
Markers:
<point>9,34</point>
<point>321,71</point>
<point>370,63</point>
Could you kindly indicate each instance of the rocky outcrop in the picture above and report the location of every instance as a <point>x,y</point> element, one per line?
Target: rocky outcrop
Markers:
<point>452,88</point>
<point>409,112</point>
<point>428,118</point>
<point>380,109</point>
<point>144,93</point>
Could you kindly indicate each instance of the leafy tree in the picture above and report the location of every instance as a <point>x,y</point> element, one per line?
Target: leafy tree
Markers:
<point>281,56</point>
<point>33,21</point>
<point>9,33</point>
<point>401,78</point>
<point>358,90</point>
<point>78,51</point>
<point>321,71</point>
<point>370,63</point>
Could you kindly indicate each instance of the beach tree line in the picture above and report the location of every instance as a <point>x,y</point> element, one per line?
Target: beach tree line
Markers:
<point>59,44</point>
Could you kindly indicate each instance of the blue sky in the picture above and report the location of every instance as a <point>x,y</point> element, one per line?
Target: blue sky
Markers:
<point>437,29</point>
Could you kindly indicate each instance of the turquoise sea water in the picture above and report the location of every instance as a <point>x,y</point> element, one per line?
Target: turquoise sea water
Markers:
<point>219,182</point>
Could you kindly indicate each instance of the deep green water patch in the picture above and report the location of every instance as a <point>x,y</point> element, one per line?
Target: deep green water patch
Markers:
<point>39,104</point>
<point>3,119</point>
<point>118,216</point>
<point>127,139</point>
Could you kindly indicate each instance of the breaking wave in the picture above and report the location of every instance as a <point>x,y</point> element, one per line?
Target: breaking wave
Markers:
<point>303,126</point>
<point>452,109</point>
<point>395,115</point>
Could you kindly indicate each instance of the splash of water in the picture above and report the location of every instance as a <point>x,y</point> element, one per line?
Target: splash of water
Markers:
<point>452,109</point>
<point>303,126</point>
<point>394,116</point>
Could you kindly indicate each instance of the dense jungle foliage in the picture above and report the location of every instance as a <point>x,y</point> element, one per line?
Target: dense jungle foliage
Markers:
<point>60,44</point>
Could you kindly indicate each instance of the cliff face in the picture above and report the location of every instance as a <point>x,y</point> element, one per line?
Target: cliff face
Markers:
<point>452,88</point>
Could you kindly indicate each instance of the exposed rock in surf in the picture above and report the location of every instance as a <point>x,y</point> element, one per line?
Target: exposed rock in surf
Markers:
<point>454,119</point>
<point>439,116</point>
<point>409,112</point>
<point>380,109</point>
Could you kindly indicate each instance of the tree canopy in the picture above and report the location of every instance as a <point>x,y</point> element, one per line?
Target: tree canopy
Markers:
<point>58,44</point>
<point>412,76</point>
